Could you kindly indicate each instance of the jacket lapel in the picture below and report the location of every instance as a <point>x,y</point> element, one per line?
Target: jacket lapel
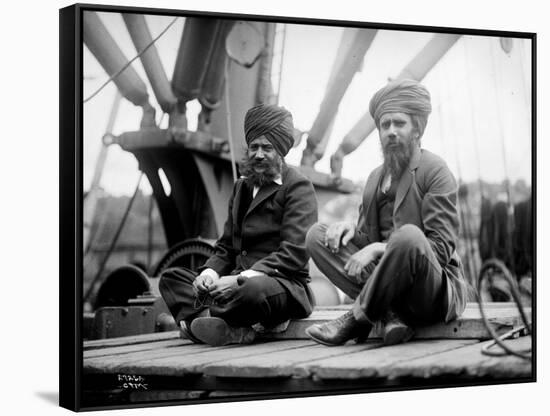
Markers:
<point>407,179</point>
<point>370,197</point>
<point>237,201</point>
<point>266,191</point>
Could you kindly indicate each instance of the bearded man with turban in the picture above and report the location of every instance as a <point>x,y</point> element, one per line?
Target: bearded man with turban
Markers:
<point>399,262</point>
<point>257,280</point>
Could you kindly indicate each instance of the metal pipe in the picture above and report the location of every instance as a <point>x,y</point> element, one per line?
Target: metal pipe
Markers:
<point>103,46</point>
<point>353,47</point>
<point>417,69</point>
<point>141,36</point>
<point>212,86</point>
<point>265,87</point>
<point>197,43</point>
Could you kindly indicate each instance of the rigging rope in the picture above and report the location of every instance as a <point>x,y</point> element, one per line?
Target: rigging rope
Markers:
<point>472,114</point>
<point>228,118</point>
<point>282,55</point>
<point>465,213</point>
<point>116,74</point>
<point>150,231</point>
<point>504,159</point>
<point>113,241</point>
<point>498,340</point>
<point>98,171</point>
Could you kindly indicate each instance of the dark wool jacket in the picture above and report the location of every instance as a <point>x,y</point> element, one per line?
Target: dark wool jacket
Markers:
<point>426,197</point>
<point>271,238</point>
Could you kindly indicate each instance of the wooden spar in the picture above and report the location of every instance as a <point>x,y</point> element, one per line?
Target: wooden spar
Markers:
<point>141,36</point>
<point>353,47</point>
<point>417,69</point>
<point>106,50</point>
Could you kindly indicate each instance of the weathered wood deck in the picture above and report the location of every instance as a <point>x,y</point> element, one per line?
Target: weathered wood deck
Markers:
<point>162,366</point>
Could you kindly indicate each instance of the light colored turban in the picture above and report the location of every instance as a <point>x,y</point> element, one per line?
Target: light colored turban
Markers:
<point>402,96</point>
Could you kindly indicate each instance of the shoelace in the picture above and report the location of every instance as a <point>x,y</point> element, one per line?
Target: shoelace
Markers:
<point>342,319</point>
<point>203,300</point>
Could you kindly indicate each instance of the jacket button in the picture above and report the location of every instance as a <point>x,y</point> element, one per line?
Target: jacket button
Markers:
<point>244,253</point>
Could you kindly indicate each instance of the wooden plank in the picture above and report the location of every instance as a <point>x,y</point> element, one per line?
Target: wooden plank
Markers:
<point>375,362</point>
<point>321,314</point>
<point>132,339</point>
<point>107,363</point>
<point>184,360</point>
<point>469,305</point>
<point>282,363</point>
<point>125,349</point>
<point>467,362</point>
<point>468,326</point>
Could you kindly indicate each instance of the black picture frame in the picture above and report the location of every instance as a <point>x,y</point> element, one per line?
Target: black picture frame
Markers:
<point>71,202</point>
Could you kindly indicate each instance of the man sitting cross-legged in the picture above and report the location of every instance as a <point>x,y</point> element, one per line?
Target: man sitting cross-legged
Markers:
<point>399,263</point>
<point>258,277</point>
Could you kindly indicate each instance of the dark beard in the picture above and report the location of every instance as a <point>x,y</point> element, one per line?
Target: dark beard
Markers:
<point>272,170</point>
<point>397,158</point>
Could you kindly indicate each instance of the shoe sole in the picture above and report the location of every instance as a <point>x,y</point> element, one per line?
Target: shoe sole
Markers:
<point>398,335</point>
<point>185,333</point>
<point>216,332</point>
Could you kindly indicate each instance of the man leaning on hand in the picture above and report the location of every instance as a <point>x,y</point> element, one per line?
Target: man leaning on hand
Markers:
<point>399,262</point>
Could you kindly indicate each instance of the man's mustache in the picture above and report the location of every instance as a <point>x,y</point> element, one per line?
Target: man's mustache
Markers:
<point>393,146</point>
<point>264,163</point>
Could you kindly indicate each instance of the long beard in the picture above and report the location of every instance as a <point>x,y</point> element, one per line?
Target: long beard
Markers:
<point>397,158</point>
<point>272,169</point>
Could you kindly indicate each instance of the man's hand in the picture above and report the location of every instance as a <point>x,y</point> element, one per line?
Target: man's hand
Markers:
<point>363,258</point>
<point>223,288</point>
<point>202,283</point>
<point>339,233</point>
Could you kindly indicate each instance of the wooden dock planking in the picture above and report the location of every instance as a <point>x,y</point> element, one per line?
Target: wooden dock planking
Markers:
<point>455,351</point>
<point>182,362</point>
<point>503,318</point>
<point>125,349</point>
<point>281,363</point>
<point>108,364</point>
<point>376,362</point>
<point>129,340</point>
<point>468,361</point>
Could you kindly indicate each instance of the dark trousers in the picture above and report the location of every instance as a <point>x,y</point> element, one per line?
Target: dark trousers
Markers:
<point>407,279</point>
<point>258,300</point>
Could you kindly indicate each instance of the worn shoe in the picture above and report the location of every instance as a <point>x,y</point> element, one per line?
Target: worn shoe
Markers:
<point>185,333</point>
<point>271,329</point>
<point>339,330</point>
<point>396,331</point>
<point>216,332</point>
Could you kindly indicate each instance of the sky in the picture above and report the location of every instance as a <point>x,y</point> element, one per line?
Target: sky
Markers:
<point>480,122</point>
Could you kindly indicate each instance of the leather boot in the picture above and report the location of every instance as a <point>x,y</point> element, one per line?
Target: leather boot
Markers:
<point>339,330</point>
<point>216,332</point>
<point>185,333</point>
<point>185,327</point>
<point>396,331</point>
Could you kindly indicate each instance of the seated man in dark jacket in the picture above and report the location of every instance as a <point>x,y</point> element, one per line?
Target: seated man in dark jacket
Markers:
<point>257,279</point>
<point>399,262</point>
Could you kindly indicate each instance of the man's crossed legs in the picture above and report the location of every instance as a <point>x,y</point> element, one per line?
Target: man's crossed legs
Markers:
<point>405,289</point>
<point>259,299</point>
